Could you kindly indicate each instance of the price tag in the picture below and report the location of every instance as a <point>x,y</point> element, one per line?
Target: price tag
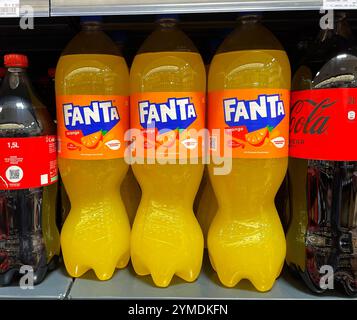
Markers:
<point>339,4</point>
<point>9,8</point>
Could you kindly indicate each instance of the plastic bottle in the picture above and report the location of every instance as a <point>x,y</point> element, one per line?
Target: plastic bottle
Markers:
<point>248,88</point>
<point>28,180</point>
<point>92,86</point>
<point>166,237</point>
<point>323,163</point>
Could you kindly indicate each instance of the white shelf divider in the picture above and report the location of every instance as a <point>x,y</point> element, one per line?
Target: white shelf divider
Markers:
<point>126,7</point>
<point>41,8</point>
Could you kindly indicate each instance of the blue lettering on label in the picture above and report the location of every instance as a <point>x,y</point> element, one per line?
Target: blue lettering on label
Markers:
<point>267,110</point>
<point>173,114</point>
<point>99,115</point>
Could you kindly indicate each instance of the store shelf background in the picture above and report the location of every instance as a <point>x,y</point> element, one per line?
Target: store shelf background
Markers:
<point>124,7</point>
<point>47,8</point>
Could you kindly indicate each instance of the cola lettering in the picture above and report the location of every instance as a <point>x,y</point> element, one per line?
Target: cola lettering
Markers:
<point>316,122</point>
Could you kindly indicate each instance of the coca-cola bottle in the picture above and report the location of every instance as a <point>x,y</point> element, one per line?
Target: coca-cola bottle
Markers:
<point>322,233</point>
<point>28,178</point>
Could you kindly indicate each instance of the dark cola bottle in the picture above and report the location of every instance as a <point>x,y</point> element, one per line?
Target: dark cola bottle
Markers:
<point>28,178</point>
<point>322,233</point>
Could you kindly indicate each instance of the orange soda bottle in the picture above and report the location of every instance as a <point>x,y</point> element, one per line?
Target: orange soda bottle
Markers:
<point>167,84</point>
<point>248,85</point>
<point>92,87</point>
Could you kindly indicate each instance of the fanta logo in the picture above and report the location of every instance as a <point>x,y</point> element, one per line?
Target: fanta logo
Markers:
<point>314,122</point>
<point>267,110</point>
<point>173,114</point>
<point>99,115</point>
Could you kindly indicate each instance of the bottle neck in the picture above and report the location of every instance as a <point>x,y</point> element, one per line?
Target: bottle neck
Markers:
<point>249,19</point>
<point>167,23</point>
<point>91,26</point>
<point>16,78</point>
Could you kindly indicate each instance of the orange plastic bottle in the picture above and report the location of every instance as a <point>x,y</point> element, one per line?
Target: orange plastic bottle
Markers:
<point>92,88</point>
<point>166,237</point>
<point>248,84</point>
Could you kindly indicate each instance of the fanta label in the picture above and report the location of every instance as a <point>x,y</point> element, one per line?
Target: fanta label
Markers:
<point>168,124</point>
<point>323,124</point>
<point>92,126</point>
<point>249,123</point>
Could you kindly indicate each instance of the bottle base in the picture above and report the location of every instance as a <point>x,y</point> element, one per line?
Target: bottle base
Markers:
<point>341,283</point>
<point>13,275</point>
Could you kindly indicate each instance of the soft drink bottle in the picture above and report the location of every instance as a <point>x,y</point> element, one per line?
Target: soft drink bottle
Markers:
<point>92,86</point>
<point>321,239</point>
<point>28,177</point>
<point>248,89</point>
<point>167,84</point>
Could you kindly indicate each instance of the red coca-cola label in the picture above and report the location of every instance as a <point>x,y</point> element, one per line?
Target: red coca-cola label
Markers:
<point>27,162</point>
<point>323,124</point>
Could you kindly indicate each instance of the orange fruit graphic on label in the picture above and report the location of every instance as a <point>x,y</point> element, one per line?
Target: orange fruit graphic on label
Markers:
<point>99,145</point>
<point>92,140</point>
<point>256,138</point>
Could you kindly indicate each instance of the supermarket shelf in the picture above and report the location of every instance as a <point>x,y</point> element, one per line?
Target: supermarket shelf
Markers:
<point>126,285</point>
<point>124,7</point>
<point>41,7</point>
<point>55,286</point>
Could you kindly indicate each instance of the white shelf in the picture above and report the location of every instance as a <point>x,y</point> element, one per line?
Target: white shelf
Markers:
<point>126,7</point>
<point>41,7</point>
<point>126,285</point>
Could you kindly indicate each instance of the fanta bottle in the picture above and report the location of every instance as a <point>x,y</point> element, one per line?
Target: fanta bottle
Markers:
<point>248,84</point>
<point>92,86</point>
<point>167,85</point>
